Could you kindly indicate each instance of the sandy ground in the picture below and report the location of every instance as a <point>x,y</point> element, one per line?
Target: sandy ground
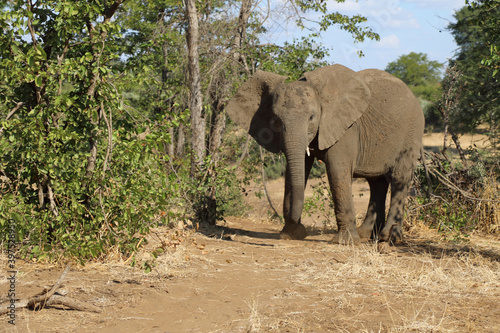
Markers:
<point>239,277</point>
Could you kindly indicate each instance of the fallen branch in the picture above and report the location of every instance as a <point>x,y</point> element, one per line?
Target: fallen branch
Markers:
<point>445,181</point>
<point>72,303</point>
<point>49,298</point>
<point>39,301</point>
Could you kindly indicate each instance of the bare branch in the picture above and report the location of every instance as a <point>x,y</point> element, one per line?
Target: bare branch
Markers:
<point>72,303</point>
<point>110,136</point>
<point>39,301</point>
<point>17,107</point>
<point>30,25</point>
<point>41,195</point>
<point>105,215</point>
<point>245,150</point>
<point>109,12</point>
<point>53,206</point>
<point>264,183</point>
<point>445,181</point>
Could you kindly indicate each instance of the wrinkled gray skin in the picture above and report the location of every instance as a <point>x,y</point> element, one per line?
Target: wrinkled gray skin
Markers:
<point>365,124</point>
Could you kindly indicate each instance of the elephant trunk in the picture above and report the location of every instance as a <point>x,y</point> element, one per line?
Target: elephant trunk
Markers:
<point>295,150</point>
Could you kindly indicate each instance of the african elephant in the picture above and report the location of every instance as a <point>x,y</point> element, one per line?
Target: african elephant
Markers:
<point>365,124</point>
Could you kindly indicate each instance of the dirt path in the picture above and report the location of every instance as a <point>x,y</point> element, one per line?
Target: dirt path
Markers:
<point>241,278</point>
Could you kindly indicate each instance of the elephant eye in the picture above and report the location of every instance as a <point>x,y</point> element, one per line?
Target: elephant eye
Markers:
<point>311,117</point>
<point>275,124</point>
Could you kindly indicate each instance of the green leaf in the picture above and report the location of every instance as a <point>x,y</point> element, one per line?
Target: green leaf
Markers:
<point>31,61</point>
<point>38,81</point>
<point>41,52</point>
<point>16,49</point>
<point>16,217</point>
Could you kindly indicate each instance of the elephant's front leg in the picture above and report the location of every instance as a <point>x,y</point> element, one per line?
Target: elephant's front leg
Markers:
<point>340,178</point>
<point>344,212</point>
<point>294,229</point>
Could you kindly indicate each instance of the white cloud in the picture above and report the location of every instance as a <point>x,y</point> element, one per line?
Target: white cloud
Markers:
<point>381,14</point>
<point>364,6</point>
<point>389,42</point>
<point>438,4</point>
<point>348,6</point>
<point>410,23</point>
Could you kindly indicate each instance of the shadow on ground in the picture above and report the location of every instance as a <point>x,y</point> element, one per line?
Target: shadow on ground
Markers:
<point>440,250</point>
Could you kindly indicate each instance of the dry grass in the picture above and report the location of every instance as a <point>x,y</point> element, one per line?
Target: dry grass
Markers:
<point>419,289</point>
<point>488,209</point>
<point>254,323</point>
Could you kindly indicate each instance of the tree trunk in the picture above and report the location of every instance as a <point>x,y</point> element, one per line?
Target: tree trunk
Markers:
<point>217,131</point>
<point>220,89</point>
<point>195,101</point>
<point>171,144</point>
<point>240,35</point>
<point>218,123</point>
<point>181,141</point>
<point>168,103</point>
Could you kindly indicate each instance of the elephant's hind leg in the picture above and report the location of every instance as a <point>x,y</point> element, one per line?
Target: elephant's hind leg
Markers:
<point>401,178</point>
<point>393,229</point>
<point>375,215</point>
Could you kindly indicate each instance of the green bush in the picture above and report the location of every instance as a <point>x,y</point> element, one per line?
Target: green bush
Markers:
<point>79,174</point>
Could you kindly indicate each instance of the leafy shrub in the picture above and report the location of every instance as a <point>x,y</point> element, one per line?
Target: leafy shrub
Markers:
<point>321,203</point>
<point>79,174</point>
<point>218,194</point>
<point>276,169</point>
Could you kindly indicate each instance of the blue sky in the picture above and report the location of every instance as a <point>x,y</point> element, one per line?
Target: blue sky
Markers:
<point>404,26</point>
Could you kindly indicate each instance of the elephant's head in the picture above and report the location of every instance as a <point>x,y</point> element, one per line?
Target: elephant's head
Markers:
<point>325,102</point>
<point>288,117</point>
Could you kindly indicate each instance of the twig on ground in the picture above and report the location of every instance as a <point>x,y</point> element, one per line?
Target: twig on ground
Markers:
<point>48,298</point>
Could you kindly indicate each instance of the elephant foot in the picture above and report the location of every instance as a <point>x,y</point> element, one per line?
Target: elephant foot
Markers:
<point>295,231</point>
<point>365,232</point>
<point>346,237</point>
<point>392,234</point>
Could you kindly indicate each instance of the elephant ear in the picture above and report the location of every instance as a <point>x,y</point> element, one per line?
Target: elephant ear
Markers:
<point>251,108</point>
<point>344,97</point>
